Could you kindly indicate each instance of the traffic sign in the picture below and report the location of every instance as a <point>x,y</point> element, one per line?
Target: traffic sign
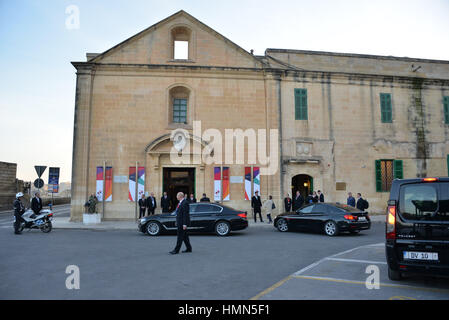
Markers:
<point>38,183</point>
<point>40,170</point>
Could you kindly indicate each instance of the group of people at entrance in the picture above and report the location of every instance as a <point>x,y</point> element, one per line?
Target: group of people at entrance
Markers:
<point>149,204</point>
<point>298,202</point>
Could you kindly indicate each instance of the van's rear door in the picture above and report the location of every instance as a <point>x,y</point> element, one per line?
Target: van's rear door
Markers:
<point>422,224</point>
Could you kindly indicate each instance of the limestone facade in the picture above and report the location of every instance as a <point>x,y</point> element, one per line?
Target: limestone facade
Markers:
<point>124,114</point>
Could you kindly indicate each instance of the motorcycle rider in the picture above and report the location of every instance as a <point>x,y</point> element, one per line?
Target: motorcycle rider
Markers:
<point>19,209</point>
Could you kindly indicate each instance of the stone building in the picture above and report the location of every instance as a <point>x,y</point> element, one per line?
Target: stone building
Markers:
<point>346,122</point>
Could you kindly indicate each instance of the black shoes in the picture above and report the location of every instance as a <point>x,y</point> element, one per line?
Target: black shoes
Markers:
<point>184,251</point>
<point>174,252</point>
<point>187,250</point>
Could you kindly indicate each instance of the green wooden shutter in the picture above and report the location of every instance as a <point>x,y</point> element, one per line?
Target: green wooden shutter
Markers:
<point>301,104</point>
<point>378,176</point>
<point>446,109</point>
<point>385,108</point>
<point>398,170</point>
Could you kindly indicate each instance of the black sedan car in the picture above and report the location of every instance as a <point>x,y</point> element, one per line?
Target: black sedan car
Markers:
<point>204,217</point>
<point>330,218</point>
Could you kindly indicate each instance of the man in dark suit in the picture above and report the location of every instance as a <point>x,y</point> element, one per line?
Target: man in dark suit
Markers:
<point>256,204</point>
<point>36,204</point>
<point>142,206</point>
<point>151,204</point>
<point>192,199</point>
<point>298,201</point>
<point>165,203</point>
<point>288,203</point>
<point>204,198</point>
<point>182,222</point>
<point>321,196</point>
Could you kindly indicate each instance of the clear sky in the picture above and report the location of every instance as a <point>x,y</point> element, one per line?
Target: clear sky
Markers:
<point>37,81</point>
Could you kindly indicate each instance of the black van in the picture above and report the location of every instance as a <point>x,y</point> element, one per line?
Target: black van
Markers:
<point>417,227</point>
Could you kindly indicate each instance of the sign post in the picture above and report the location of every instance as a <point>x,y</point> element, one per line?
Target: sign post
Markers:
<point>53,182</point>
<point>40,171</point>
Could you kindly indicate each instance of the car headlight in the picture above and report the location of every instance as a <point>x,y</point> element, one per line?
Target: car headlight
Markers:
<point>142,221</point>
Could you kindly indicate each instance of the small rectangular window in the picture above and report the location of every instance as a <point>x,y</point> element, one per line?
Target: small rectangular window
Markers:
<point>301,104</point>
<point>386,111</point>
<point>181,50</point>
<point>446,109</point>
<point>180,110</point>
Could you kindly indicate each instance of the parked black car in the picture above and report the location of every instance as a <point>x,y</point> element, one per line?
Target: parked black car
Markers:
<point>204,217</point>
<point>330,218</point>
<point>417,227</point>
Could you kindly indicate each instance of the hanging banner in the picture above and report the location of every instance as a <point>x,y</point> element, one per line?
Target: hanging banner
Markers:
<point>53,180</point>
<point>247,183</point>
<point>217,183</point>
<point>99,192</point>
<point>141,182</point>
<point>108,185</point>
<point>132,184</point>
<point>226,191</point>
<point>256,177</point>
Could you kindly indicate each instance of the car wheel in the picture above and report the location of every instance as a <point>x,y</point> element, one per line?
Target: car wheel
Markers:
<point>394,275</point>
<point>153,228</point>
<point>222,228</point>
<point>331,228</point>
<point>282,225</point>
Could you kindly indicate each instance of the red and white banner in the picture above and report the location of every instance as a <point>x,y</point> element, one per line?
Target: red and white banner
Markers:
<point>217,184</point>
<point>226,188</point>
<point>247,183</point>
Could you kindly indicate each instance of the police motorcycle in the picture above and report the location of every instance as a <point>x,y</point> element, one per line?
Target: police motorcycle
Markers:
<point>42,221</point>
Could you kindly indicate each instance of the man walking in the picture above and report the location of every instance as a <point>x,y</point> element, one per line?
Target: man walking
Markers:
<point>151,204</point>
<point>142,206</point>
<point>165,203</point>
<point>256,204</point>
<point>361,203</point>
<point>298,201</point>
<point>36,204</point>
<point>182,222</point>
<point>350,201</point>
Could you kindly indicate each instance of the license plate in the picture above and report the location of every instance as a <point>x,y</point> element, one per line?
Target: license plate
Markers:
<point>410,255</point>
<point>362,219</point>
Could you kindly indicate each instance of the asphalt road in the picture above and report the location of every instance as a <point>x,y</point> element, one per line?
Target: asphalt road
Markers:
<point>129,265</point>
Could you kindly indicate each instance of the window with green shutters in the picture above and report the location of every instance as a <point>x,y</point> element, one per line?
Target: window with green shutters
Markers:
<point>386,172</point>
<point>386,111</point>
<point>446,109</point>
<point>301,104</point>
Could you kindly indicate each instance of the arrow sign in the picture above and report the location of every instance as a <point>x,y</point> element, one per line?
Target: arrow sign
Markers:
<point>40,170</point>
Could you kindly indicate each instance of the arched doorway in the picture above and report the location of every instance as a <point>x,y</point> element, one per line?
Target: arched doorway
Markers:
<point>303,183</point>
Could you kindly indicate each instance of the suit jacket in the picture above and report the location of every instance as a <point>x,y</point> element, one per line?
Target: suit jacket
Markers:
<point>205,199</point>
<point>298,202</point>
<point>142,203</point>
<point>150,203</point>
<point>36,205</point>
<point>350,201</point>
<point>165,204</point>
<point>255,202</point>
<point>321,197</point>
<point>191,201</point>
<point>183,214</point>
<point>288,204</point>
<point>361,204</point>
